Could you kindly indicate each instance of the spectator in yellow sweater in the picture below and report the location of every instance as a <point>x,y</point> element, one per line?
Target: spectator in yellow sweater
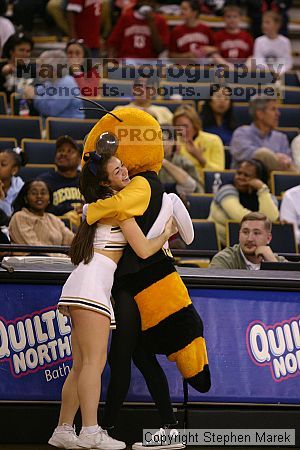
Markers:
<point>205,150</point>
<point>249,192</point>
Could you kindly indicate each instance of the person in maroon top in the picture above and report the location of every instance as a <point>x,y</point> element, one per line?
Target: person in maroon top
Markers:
<point>139,33</point>
<point>233,43</point>
<point>86,75</point>
<point>192,39</point>
<point>84,22</point>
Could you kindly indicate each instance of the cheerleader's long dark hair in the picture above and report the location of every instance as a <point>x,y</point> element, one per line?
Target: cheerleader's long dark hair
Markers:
<point>93,173</point>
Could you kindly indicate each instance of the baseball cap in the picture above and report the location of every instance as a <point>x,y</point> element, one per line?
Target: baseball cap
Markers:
<point>67,140</point>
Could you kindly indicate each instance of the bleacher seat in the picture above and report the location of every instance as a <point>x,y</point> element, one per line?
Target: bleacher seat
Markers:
<point>281,181</point>
<point>199,205</point>
<point>3,103</point>
<point>291,78</point>
<point>241,114</point>
<point>20,127</point>
<point>39,151</point>
<point>7,143</point>
<point>32,171</point>
<point>116,88</point>
<point>283,236</point>
<point>291,96</point>
<point>227,177</point>
<point>205,236</point>
<point>188,91</point>
<point>289,115</point>
<point>228,157</point>
<point>76,128</point>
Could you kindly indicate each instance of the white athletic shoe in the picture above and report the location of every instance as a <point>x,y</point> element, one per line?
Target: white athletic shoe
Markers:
<point>64,437</point>
<point>99,440</point>
<point>160,440</point>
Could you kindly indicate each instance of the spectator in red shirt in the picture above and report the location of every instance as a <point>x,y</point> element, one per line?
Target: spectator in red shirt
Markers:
<point>84,22</point>
<point>192,39</point>
<point>232,42</point>
<point>139,33</point>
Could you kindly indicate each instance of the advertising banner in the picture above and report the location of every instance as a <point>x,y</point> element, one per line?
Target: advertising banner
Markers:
<point>253,341</point>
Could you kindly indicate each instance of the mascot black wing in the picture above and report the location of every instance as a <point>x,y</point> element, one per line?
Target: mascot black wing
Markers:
<point>170,323</point>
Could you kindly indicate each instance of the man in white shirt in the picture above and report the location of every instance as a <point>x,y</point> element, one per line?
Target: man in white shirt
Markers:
<point>290,209</point>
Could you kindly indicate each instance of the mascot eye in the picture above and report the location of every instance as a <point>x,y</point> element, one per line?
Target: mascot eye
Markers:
<point>107,142</point>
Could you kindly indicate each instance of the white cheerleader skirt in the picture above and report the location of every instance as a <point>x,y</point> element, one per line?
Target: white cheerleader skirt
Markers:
<point>89,286</point>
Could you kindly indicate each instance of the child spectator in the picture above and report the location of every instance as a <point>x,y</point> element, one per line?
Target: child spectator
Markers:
<point>256,8</point>
<point>192,39</point>
<point>10,184</point>
<point>139,33</point>
<point>217,114</point>
<point>31,224</point>
<point>273,50</point>
<point>233,43</point>
<point>84,22</point>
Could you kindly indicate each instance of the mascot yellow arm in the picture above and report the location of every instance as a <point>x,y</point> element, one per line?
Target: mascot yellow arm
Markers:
<point>131,201</point>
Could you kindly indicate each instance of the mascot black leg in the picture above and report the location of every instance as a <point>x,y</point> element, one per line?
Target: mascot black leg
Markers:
<point>157,383</point>
<point>125,345</point>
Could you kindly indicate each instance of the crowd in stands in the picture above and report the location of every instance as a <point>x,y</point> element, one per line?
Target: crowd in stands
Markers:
<point>202,134</point>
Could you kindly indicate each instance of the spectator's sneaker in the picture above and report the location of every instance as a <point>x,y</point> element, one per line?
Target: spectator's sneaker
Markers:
<point>99,440</point>
<point>160,440</point>
<point>64,437</point>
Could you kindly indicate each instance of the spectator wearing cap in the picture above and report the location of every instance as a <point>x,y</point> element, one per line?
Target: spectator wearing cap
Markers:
<point>54,95</point>
<point>260,133</point>
<point>64,183</point>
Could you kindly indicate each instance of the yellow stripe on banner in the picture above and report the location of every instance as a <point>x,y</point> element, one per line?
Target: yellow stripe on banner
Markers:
<point>161,299</point>
<point>191,359</point>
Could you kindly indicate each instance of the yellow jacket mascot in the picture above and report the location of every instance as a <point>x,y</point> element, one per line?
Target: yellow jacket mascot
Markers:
<point>170,323</point>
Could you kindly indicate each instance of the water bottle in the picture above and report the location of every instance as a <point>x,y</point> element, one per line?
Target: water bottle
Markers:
<point>217,182</point>
<point>24,108</point>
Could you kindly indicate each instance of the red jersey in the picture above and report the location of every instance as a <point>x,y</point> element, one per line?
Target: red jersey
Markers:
<point>132,36</point>
<point>188,39</point>
<point>87,20</point>
<point>234,45</point>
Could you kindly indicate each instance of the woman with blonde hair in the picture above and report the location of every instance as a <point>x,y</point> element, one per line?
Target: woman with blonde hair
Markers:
<point>205,150</point>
